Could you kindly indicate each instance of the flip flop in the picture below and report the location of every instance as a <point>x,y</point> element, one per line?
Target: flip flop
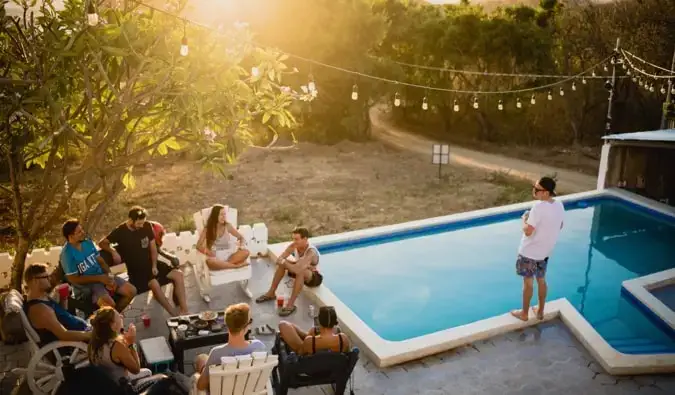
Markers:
<point>286,311</point>
<point>264,330</point>
<point>265,298</point>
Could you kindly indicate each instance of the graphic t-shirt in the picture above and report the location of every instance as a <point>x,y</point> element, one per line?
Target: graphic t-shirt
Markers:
<point>547,220</point>
<point>81,261</point>
<point>133,245</point>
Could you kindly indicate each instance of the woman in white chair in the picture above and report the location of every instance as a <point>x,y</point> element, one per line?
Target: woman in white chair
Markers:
<point>115,353</point>
<point>215,242</point>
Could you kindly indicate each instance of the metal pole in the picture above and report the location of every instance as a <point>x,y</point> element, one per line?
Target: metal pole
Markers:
<point>610,99</point>
<point>440,163</point>
<point>668,94</point>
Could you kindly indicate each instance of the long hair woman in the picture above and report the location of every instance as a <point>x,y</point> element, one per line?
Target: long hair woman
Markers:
<point>324,337</point>
<point>115,353</point>
<point>215,241</point>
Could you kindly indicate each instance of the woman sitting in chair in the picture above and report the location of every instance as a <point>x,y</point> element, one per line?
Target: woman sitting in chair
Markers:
<point>115,353</point>
<point>325,337</point>
<point>215,242</point>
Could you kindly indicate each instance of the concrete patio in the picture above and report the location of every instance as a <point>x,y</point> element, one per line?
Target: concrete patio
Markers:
<point>544,359</point>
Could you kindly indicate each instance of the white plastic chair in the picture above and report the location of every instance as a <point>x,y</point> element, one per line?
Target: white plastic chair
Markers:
<point>206,279</point>
<point>44,373</point>
<point>243,375</point>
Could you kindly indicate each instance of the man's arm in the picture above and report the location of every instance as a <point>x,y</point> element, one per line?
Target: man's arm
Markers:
<point>153,255</point>
<point>306,261</point>
<point>112,238</point>
<point>42,317</point>
<point>530,221</point>
<point>287,252</point>
<point>203,382</point>
<point>82,280</point>
<point>104,266</point>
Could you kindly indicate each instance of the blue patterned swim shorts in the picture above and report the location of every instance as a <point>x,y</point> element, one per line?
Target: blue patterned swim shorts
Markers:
<point>527,267</point>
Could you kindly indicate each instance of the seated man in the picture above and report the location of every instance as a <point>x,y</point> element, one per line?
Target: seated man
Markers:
<point>305,270</point>
<point>325,337</point>
<point>137,249</point>
<point>237,319</point>
<point>87,271</point>
<point>51,321</point>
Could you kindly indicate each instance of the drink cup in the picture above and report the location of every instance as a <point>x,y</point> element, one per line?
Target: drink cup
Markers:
<point>280,301</point>
<point>146,320</point>
<point>64,291</point>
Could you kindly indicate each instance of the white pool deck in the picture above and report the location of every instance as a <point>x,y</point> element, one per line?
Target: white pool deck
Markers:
<point>386,353</point>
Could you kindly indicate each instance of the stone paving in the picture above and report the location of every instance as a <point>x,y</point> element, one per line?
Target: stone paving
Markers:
<point>545,359</point>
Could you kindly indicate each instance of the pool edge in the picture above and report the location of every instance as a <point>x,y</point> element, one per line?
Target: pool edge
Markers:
<point>386,353</point>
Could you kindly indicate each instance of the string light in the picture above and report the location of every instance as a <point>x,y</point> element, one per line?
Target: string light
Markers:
<point>663,90</point>
<point>550,95</point>
<point>184,42</point>
<point>475,103</point>
<point>593,73</point>
<point>574,86</point>
<point>612,60</point>
<point>455,106</point>
<point>92,16</point>
<point>518,103</point>
<point>355,92</point>
<point>604,68</point>
<point>533,101</point>
<point>397,99</point>
<point>628,72</point>
<point>634,79</point>
<point>672,90</point>
<point>500,106</point>
<point>651,87</point>
<point>583,80</point>
<point>425,105</point>
<point>562,92</point>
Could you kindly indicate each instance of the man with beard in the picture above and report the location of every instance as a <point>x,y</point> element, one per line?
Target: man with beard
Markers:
<point>136,247</point>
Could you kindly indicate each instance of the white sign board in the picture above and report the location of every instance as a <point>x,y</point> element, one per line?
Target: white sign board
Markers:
<point>440,154</point>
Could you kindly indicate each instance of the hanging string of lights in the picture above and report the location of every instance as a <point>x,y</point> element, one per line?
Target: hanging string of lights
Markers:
<point>644,79</point>
<point>637,69</point>
<point>670,72</point>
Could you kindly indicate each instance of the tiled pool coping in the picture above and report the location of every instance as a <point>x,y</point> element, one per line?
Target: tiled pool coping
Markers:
<point>387,353</point>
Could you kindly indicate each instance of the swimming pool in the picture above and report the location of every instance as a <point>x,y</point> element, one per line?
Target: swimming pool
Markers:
<point>417,283</point>
<point>416,286</point>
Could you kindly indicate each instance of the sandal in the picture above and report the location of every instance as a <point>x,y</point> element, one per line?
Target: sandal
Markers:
<point>265,298</point>
<point>286,311</point>
<point>264,330</point>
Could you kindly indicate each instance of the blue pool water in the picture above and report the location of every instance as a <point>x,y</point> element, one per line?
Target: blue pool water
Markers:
<point>415,283</point>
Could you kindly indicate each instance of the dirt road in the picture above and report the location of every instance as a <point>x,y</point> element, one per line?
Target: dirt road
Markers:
<point>568,181</point>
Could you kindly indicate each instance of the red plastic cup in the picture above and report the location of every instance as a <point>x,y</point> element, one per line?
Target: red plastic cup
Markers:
<point>280,301</point>
<point>146,320</point>
<point>64,291</point>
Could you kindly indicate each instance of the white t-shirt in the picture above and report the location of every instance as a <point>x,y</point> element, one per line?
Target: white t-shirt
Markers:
<point>547,220</point>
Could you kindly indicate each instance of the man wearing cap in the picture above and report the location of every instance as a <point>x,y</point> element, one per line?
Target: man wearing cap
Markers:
<point>136,247</point>
<point>541,228</point>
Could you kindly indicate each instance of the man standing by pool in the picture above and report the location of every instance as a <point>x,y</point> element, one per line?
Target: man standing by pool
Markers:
<point>541,228</point>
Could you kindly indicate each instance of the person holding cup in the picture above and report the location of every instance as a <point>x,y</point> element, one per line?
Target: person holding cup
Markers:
<point>87,271</point>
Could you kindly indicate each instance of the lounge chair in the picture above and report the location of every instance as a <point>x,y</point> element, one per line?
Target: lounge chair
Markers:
<point>247,374</point>
<point>324,367</point>
<point>49,365</point>
<point>206,279</point>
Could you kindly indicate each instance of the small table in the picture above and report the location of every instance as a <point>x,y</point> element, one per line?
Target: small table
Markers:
<point>156,354</point>
<point>188,342</point>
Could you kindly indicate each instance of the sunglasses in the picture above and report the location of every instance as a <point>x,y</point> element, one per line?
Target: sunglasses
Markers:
<point>535,188</point>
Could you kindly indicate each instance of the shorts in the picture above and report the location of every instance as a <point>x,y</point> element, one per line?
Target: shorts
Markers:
<point>529,268</point>
<point>313,282</point>
<point>99,290</point>
<point>141,278</point>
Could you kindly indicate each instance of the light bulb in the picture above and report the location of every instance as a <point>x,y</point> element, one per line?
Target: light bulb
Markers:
<point>533,100</point>
<point>355,92</point>
<point>672,90</point>
<point>613,60</point>
<point>593,73</point>
<point>92,16</point>
<point>255,72</point>
<point>574,86</point>
<point>663,90</point>
<point>583,80</point>
<point>397,100</point>
<point>651,87</point>
<point>425,105</point>
<point>623,65</point>
<point>455,106</point>
<point>550,95</point>
<point>562,92</point>
<point>634,79</point>
<point>475,103</point>
<point>604,68</point>
<point>500,106</point>
<point>311,86</point>
<point>628,72</point>
<point>646,85</point>
<point>184,47</point>
<point>518,103</point>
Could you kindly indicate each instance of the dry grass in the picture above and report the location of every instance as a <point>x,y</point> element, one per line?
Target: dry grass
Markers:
<point>327,189</point>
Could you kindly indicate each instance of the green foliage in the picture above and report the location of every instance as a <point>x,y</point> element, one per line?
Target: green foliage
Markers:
<point>183,223</point>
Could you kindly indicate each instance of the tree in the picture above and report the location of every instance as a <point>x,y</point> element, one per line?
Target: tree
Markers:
<point>87,104</point>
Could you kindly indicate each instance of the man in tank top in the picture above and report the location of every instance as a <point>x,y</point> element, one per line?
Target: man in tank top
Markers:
<point>304,268</point>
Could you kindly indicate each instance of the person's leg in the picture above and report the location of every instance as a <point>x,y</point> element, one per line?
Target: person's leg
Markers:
<point>292,335</point>
<point>300,278</point>
<point>542,288</point>
<point>127,291</point>
<point>161,299</point>
<point>271,293</point>
<point>238,259</point>
<point>176,276</point>
<point>216,264</point>
<point>100,296</point>
<point>525,268</point>
<point>200,362</point>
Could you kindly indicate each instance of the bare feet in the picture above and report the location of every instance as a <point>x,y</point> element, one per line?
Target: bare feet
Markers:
<point>539,314</point>
<point>523,316</point>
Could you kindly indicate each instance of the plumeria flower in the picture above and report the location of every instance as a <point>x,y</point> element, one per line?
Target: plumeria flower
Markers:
<point>304,88</point>
<point>209,135</point>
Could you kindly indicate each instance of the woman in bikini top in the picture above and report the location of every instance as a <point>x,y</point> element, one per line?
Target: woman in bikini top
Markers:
<point>323,337</point>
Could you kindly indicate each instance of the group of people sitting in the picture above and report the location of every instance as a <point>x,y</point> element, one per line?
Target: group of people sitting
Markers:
<point>136,242</point>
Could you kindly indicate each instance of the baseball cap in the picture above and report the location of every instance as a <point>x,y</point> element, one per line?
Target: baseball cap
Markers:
<point>548,184</point>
